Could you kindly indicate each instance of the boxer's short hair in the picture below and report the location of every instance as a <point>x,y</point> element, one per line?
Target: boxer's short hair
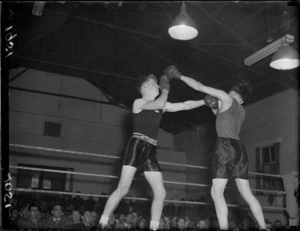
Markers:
<point>144,79</point>
<point>243,88</point>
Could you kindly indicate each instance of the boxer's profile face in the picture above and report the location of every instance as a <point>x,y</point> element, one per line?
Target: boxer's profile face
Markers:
<point>150,86</point>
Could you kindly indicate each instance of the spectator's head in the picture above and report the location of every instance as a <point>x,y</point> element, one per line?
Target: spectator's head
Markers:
<point>122,218</point>
<point>135,217</point>
<point>232,224</point>
<point>33,210</point>
<point>95,217</point>
<point>14,214</point>
<point>181,223</point>
<point>207,223</point>
<point>277,224</point>
<point>57,210</point>
<point>76,216</point>
<point>247,222</point>
<point>201,224</point>
<point>24,212</point>
<point>39,214</point>
<point>129,218</point>
<point>162,223</point>
<point>268,224</point>
<point>86,218</point>
<point>112,220</point>
<point>142,223</point>
<point>173,222</point>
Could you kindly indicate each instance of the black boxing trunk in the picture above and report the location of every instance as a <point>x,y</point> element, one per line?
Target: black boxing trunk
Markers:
<point>230,160</point>
<point>141,154</point>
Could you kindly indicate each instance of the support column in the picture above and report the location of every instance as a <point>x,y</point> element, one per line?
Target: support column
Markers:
<point>290,181</point>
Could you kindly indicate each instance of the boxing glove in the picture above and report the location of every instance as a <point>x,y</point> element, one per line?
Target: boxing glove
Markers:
<point>172,72</point>
<point>211,101</point>
<point>164,83</point>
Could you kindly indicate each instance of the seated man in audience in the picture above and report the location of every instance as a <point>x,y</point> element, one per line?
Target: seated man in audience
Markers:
<point>269,225</point>
<point>126,222</point>
<point>162,223</point>
<point>142,224</point>
<point>278,225</point>
<point>13,218</point>
<point>201,224</point>
<point>95,218</point>
<point>135,218</point>
<point>24,212</point>
<point>181,223</point>
<point>76,218</point>
<point>86,221</point>
<point>173,222</point>
<point>111,222</point>
<point>32,221</point>
<point>57,220</point>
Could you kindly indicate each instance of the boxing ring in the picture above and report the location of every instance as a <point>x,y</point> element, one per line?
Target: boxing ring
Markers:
<point>87,154</point>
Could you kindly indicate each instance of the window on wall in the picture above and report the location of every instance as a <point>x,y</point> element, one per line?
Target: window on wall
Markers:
<point>37,179</point>
<point>267,161</point>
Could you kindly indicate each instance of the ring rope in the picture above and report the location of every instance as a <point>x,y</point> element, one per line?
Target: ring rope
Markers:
<point>97,155</point>
<point>110,176</point>
<point>132,198</point>
<point>117,157</point>
<point>62,171</point>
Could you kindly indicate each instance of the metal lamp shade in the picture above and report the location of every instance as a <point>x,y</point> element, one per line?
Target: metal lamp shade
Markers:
<point>183,27</point>
<point>285,58</point>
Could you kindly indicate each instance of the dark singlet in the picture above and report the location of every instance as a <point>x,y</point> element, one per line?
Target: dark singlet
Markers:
<point>147,122</point>
<point>229,122</point>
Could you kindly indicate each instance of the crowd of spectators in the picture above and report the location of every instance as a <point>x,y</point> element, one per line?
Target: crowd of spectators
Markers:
<point>75,213</point>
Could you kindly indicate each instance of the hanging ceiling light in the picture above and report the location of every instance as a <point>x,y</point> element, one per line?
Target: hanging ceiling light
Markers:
<point>285,58</point>
<point>38,8</point>
<point>183,27</point>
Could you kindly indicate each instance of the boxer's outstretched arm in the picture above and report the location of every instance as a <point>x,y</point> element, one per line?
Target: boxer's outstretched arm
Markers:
<point>187,105</point>
<point>222,95</point>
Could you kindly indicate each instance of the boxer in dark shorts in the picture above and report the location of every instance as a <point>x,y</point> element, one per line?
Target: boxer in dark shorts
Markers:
<point>140,153</point>
<point>230,160</point>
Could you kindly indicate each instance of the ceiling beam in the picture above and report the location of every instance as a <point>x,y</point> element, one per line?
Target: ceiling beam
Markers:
<point>55,24</point>
<point>237,25</point>
<point>159,53</point>
<point>128,30</point>
<point>241,23</point>
<point>66,96</point>
<point>222,36</point>
<point>236,35</point>
<point>18,75</point>
<point>130,63</point>
<point>74,67</point>
<point>248,69</point>
<point>164,11</point>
